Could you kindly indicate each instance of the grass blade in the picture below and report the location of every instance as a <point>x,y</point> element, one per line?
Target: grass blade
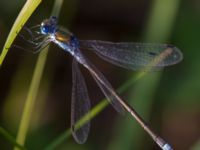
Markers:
<point>158,28</point>
<point>10,138</point>
<point>33,89</point>
<point>23,16</point>
<point>94,112</point>
<point>30,101</point>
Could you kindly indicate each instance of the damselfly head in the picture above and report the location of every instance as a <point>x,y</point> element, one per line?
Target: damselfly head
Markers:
<point>49,26</point>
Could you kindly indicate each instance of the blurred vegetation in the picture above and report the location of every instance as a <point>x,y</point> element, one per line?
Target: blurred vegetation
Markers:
<point>169,100</point>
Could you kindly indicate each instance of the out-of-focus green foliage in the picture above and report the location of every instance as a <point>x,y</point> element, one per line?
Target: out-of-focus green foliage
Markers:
<point>160,23</point>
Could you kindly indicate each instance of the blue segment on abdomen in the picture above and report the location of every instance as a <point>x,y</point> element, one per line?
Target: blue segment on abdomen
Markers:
<point>74,42</point>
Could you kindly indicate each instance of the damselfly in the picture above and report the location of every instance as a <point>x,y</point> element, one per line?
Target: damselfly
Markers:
<point>135,56</point>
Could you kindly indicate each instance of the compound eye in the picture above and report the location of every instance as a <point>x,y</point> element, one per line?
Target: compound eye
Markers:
<point>44,29</point>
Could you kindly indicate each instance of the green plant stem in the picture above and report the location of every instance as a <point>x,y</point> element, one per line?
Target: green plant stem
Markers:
<point>34,86</point>
<point>23,16</point>
<point>158,29</point>
<point>30,101</point>
<point>94,112</point>
<point>10,138</point>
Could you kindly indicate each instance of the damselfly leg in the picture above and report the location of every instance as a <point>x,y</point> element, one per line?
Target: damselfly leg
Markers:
<point>31,41</point>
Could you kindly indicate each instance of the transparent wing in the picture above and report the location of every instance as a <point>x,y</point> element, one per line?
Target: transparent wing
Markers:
<point>80,104</point>
<point>104,85</point>
<point>135,56</point>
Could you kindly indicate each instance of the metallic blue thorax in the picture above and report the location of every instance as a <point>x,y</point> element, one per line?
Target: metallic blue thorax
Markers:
<point>71,45</point>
